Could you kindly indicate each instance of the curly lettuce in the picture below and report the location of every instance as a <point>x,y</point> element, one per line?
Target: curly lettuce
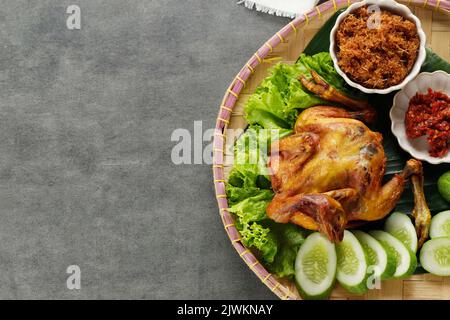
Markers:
<point>249,215</point>
<point>276,101</point>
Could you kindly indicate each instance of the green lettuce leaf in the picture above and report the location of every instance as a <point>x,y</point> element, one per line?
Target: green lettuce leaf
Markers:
<point>276,101</point>
<point>242,184</point>
<point>248,192</point>
<point>277,243</point>
<point>250,174</point>
<point>252,148</point>
<point>289,238</point>
<point>256,236</point>
<point>249,213</point>
<point>252,209</point>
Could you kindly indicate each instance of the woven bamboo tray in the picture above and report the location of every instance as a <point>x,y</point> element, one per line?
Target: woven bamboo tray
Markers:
<point>286,45</point>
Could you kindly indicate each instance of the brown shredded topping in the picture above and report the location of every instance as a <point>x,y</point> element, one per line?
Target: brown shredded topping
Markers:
<point>376,58</point>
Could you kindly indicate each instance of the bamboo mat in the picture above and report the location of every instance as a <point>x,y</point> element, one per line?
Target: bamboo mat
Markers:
<point>286,46</point>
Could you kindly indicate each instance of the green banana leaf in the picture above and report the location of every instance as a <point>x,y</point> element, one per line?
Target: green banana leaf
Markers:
<point>396,157</point>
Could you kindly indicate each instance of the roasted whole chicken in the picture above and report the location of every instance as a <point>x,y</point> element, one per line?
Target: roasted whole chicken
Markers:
<point>327,176</point>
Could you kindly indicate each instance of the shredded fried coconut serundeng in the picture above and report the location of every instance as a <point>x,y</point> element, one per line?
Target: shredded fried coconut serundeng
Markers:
<point>376,57</point>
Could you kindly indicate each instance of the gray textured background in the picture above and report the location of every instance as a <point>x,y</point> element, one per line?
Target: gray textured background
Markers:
<point>85,171</point>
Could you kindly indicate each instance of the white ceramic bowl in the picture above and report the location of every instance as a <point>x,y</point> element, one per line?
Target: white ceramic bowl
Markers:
<point>394,7</point>
<point>418,148</point>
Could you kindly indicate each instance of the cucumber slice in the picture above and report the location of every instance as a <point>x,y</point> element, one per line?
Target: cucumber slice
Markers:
<point>440,225</point>
<point>400,226</point>
<point>380,260</point>
<point>351,264</point>
<point>405,259</point>
<point>435,256</point>
<point>315,267</point>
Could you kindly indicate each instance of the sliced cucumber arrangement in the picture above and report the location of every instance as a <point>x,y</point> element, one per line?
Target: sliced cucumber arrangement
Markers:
<point>440,225</point>
<point>377,255</point>
<point>435,256</point>
<point>381,262</point>
<point>351,264</point>
<point>400,226</point>
<point>315,267</point>
<point>406,261</point>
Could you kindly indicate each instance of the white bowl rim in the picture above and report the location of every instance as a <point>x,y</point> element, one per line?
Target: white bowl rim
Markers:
<point>413,152</point>
<point>405,12</point>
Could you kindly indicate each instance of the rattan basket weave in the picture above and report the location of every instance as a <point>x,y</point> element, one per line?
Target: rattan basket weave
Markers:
<point>286,45</point>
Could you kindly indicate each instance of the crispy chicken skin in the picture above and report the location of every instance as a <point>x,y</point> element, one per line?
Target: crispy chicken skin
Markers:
<point>327,176</point>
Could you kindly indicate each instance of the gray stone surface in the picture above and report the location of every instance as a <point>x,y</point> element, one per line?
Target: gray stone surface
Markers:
<point>85,170</point>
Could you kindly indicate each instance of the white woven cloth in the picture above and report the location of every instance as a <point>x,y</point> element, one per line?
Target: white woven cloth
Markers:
<point>284,8</point>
